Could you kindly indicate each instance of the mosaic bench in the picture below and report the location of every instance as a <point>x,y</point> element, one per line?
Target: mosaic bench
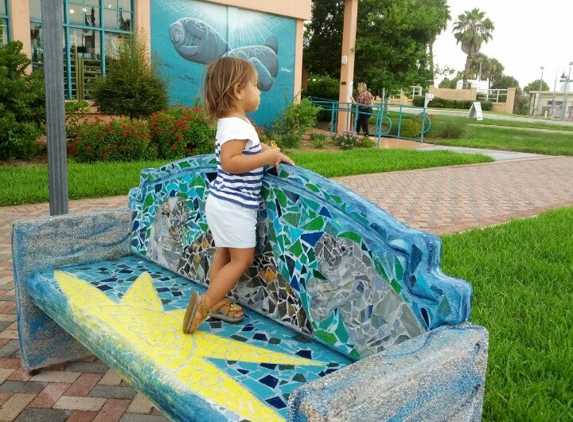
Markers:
<point>348,315</point>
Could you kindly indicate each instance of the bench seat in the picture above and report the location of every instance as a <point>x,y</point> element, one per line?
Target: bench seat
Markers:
<point>129,313</point>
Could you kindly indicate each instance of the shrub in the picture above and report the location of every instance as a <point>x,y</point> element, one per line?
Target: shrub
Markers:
<point>75,113</point>
<point>318,139</point>
<point>181,131</point>
<point>447,128</point>
<point>409,128</point>
<point>132,86</point>
<point>117,140</point>
<point>296,118</point>
<point>322,87</point>
<point>18,139</point>
<point>347,139</point>
<point>22,103</point>
<point>289,141</point>
<point>366,142</point>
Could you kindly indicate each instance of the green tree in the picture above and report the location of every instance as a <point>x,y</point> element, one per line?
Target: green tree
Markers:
<point>132,85</point>
<point>451,83</point>
<point>471,30</point>
<point>22,103</point>
<point>324,33</point>
<point>534,86</point>
<point>391,46</point>
<point>505,82</point>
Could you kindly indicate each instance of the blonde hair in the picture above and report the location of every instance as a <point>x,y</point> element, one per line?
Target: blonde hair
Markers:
<point>361,87</point>
<point>221,78</point>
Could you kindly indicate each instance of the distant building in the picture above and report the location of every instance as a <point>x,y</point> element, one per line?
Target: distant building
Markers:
<point>482,86</point>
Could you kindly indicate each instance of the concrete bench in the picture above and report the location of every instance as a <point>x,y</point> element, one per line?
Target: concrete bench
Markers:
<point>348,315</point>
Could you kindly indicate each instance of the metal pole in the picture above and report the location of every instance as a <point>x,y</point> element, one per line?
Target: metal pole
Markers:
<point>554,95</point>
<point>539,94</point>
<point>565,91</point>
<point>55,106</point>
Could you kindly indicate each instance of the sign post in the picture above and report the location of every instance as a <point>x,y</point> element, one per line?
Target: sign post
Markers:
<point>475,110</point>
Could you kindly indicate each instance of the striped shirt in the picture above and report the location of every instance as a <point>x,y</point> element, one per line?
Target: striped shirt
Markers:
<point>243,189</point>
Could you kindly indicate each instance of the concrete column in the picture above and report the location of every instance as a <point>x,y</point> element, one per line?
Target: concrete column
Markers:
<point>55,107</point>
<point>20,16</point>
<point>347,61</point>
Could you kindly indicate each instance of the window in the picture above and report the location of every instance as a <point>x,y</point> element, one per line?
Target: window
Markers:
<point>89,26</point>
<point>4,22</point>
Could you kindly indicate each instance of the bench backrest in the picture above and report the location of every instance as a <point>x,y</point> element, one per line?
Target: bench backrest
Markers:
<point>329,263</point>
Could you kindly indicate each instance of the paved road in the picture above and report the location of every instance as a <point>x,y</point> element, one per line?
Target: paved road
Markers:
<point>441,200</point>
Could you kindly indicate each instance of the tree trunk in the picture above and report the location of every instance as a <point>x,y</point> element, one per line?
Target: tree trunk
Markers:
<point>466,71</point>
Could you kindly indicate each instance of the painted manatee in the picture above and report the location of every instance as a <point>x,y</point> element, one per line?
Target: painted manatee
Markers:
<point>264,58</point>
<point>196,41</point>
<point>374,315</point>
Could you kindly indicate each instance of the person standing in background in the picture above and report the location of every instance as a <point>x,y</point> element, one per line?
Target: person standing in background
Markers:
<point>364,100</point>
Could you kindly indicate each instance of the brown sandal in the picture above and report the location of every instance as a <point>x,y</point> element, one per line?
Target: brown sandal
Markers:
<point>190,321</point>
<point>225,310</point>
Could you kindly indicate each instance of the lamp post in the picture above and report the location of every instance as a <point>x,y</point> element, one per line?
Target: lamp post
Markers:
<point>539,93</point>
<point>555,93</point>
<point>565,91</point>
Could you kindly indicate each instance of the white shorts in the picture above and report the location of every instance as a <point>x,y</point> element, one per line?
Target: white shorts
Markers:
<point>231,225</point>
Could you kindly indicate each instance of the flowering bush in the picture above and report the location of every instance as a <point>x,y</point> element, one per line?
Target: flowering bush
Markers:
<point>117,140</point>
<point>347,139</point>
<point>181,131</point>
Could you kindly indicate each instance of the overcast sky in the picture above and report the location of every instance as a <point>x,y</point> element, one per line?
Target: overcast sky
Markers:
<point>527,35</point>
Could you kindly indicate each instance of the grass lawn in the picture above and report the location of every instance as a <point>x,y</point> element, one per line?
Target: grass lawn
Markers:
<point>522,274</point>
<point>29,184</point>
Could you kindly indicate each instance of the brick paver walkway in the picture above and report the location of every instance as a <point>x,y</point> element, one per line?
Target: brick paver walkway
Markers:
<point>440,200</point>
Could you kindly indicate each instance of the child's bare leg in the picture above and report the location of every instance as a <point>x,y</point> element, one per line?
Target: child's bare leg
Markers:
<point>228,266</point>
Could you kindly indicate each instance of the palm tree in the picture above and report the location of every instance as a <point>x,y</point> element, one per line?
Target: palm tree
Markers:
<point>472,29</point>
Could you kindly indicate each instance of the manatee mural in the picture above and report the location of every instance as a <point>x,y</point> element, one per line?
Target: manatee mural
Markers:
<point>186,35</point>
<point>198,42</point>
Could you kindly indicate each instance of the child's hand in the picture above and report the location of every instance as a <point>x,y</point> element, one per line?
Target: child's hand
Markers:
<point>284,159</point>
<point>272,156</point>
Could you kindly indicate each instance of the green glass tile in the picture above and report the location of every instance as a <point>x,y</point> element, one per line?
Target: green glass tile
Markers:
<point>184,164</point>
<point>299,378</point>
<point>296,248</point>
<point>312,187</point>
<point>284,174</point>
<point>316,224</point>
<point>148,200</point>
<point>398,269</point>
<point>336,199</point>
<point>281,197</point>
<point>198,181</point>
<point>354,354</point>
<point>328,338</point>
<point>396,286</point>
<point>292,218</point>
<point>352,236</point>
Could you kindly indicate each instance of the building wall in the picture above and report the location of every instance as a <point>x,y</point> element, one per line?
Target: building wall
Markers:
<point>243,24</point>
<point>182,52</point>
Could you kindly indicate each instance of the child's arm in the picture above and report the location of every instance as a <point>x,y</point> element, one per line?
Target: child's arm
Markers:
<point>282,158</point>
<point>233,160</point>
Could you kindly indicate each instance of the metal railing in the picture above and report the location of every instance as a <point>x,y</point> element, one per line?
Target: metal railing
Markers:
<point>388,122</point>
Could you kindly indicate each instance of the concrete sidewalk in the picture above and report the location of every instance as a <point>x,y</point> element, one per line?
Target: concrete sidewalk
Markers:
<point>440,200</point>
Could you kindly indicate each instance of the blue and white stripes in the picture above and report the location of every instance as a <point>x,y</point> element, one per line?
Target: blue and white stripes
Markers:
<point>243,189</point>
